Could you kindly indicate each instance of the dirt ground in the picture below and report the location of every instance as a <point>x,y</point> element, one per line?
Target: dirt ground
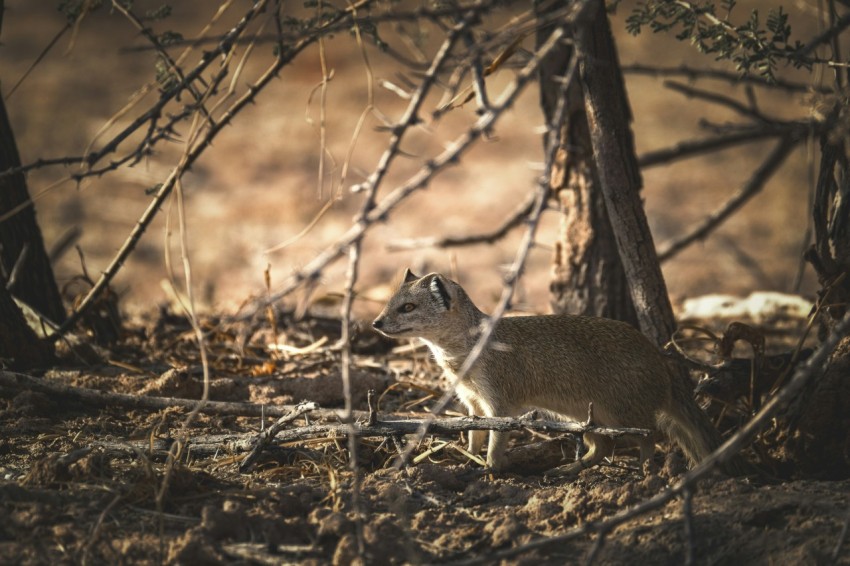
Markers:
<point>85,482</point>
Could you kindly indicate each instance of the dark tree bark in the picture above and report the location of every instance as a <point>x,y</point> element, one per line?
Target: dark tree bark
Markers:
<point>23,256</point>
<point>608,120</point>
<point>34,283</point>
<point>587,276</point>
<point>830,254</point>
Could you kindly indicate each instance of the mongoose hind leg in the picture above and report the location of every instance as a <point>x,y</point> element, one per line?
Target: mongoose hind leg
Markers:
<point>598,445</point>
<point>647,450</point>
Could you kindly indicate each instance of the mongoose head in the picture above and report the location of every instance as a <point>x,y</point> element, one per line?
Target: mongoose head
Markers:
<point>423,307</point>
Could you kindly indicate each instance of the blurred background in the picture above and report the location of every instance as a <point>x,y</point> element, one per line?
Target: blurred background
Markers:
<point>269,175</point>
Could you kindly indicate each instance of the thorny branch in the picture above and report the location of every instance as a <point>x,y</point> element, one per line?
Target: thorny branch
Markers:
<point>693,73</point>
<point>694,148</point>
<point>755,184</point>
<point>266,437</point>
<point>515,219</point>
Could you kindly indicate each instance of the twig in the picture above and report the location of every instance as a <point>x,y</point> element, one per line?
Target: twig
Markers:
<point>370,402</point>
<point>841,537</point>
<point>722,100</point>
<point>450,426</point>
<point>265,438</point>
<point>693,148</point>
<point>12,278</point>
<point>725,452</point>
<point>595,549</point>
<point>826,36</point>
<point>753,186</point>
<point>208,445</point>
<point>107,399</point>
<point>515,219</point>
<point>733,78</point>
<point>688,513</point>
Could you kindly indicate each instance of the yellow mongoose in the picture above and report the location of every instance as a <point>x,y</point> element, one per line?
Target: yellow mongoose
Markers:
<point>558,363</point>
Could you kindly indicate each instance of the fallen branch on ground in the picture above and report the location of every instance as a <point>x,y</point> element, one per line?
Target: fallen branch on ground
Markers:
<point>105,398</point>
<point>211,444</point>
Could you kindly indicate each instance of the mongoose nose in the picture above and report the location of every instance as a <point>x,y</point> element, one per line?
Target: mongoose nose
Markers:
<point>377,323</point>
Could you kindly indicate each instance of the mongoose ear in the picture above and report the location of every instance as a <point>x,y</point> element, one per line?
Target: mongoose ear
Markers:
<point>409,276</point>
<point>437,286</point>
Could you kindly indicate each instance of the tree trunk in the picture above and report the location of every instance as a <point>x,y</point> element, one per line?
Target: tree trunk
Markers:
<point>608,119</point>
<point>34,283</point>
<point>830,254</point>
<point>20,348</point>
<point>588,276</point>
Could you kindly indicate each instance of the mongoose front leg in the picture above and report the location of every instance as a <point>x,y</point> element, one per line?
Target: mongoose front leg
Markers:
<point>496,450</point>
<point>498,440</point>
<point>474,408</point>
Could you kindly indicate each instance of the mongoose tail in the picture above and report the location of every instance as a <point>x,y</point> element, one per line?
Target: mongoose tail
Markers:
<point>690,427</point>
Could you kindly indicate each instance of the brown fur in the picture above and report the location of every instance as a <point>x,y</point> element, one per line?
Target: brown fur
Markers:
<point>559,363</point>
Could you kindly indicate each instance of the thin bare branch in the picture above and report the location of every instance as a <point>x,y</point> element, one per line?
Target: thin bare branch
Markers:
<point>716,98</point>
<point>515,219</point>
<point>753,186</point>
<point>693,73</point>
<point>695,148</point>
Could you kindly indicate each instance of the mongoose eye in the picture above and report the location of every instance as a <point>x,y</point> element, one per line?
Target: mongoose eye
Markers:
<point>406,307</point>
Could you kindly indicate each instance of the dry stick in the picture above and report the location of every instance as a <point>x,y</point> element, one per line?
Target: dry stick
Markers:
<point>419,180</point>
<point>447,426</point>
<point>595,549</point>
<point>841,537</point>
<point>160,51</point>
<point>177,450</point>
<point>211,444</point>
<point>693,148</point>
<point>105,399</point>
<point>415,15</point>
<point>265,438</point>
<point>735,78</point>
<point>347,419</point>
<point>514,220</point>
<point>724,453</point>
<point>828,35</point>
<point>708,96</point>
<point>188,160</point>
<point>688,513</point>
<point>577,13</point>
<point>95,397</point>
<point>752,187</point>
